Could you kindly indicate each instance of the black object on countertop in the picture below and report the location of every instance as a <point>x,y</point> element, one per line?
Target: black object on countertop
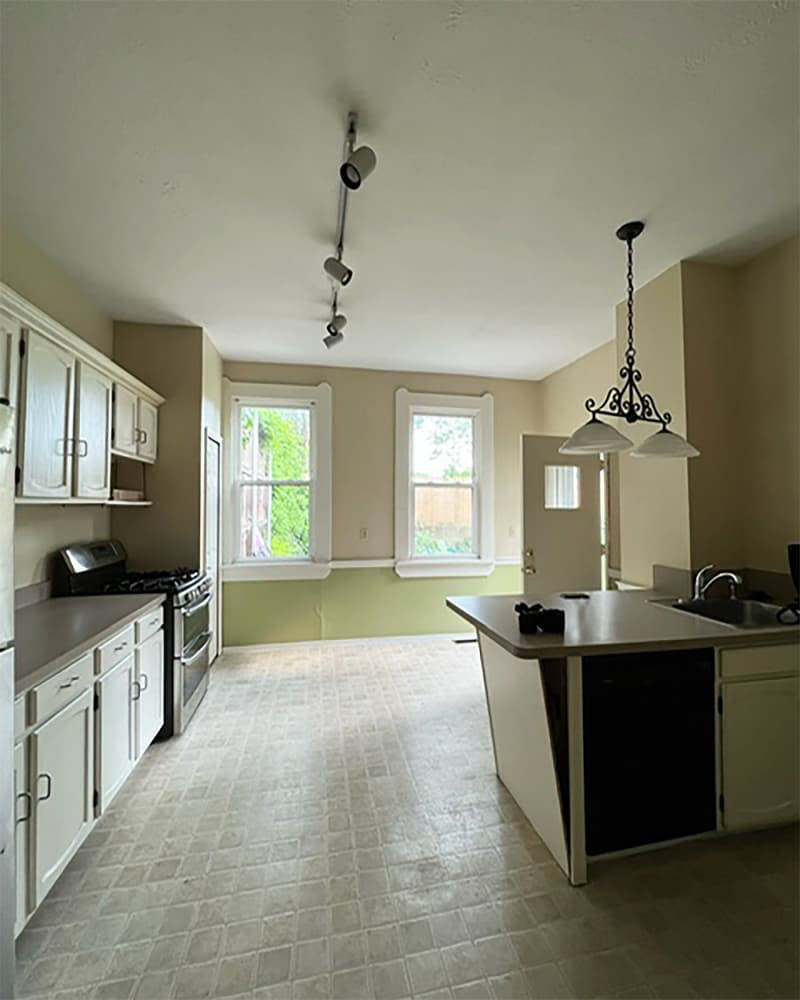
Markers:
<point>535,618</point>
<point>790,613</point>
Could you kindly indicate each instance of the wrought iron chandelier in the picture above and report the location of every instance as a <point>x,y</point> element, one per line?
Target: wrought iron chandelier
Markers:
<point>627,401</point>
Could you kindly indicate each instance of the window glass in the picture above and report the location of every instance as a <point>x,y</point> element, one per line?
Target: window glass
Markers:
<point>442,448</point>
<point>443,485</point>
<point>562,487</point>
<point>276,442</point>
<point>443,521</point>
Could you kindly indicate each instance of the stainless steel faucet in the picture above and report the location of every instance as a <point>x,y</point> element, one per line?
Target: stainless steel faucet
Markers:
<point>701,585</point>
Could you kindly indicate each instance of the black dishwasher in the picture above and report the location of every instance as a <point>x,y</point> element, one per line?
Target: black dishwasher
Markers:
<point>649,762</point>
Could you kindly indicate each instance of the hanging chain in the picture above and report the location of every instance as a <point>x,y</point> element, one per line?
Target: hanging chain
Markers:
<point>630,354</point>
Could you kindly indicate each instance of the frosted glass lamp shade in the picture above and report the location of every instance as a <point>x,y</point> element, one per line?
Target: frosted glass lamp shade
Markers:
<point>595,437</point>
<point>665,444</point>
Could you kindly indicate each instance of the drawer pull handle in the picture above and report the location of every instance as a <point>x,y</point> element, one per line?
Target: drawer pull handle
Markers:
<point>70,682</point>
<point>49,792</point>
<point>26,797</point>
<point>118,649</point>
<point>144,682</point>
<point>138,688</point>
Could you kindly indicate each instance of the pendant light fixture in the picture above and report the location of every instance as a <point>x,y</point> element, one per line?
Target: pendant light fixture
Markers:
<point>627,401</point>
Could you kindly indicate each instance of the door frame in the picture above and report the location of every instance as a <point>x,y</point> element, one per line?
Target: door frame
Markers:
<point>215,440</point>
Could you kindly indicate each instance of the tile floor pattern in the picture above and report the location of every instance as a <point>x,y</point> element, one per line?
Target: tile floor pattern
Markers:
<point>331,826</point>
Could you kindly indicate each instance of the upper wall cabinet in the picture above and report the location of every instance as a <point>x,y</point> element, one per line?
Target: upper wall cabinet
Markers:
<point>135,425</point>
<point>76,407</point>
<point>46,418</point>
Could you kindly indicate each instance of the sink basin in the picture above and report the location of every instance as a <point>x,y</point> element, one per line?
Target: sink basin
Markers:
<point>743,614</point>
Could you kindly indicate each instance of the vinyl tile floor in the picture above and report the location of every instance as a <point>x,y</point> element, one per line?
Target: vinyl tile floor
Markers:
<point>330,825</point>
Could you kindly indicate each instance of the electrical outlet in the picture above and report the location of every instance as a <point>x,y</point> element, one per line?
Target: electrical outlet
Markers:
<point>363,534</point>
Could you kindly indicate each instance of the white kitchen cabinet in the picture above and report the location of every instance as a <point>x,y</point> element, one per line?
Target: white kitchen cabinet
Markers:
<point>62,779</point>
<point>147,446</point>
<point>92,434</point>
<point>126,417</point>
<point>46,418</point>
<point>10,335</point>
<point>150,682</point>
<point>760,752</point>
<point>115,730</point>
<point>22,817</point>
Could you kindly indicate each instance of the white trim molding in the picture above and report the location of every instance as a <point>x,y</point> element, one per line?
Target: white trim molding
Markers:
<point>481,408</point>
<point>319,399</point>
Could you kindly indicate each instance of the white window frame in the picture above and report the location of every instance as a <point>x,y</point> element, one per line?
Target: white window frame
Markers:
<point>318,398</point>
<point>481,408</point>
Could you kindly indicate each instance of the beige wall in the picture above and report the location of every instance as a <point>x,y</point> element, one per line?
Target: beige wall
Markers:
<point>715,375</point>
<point>363,446</point>
<point>39,531</point>
<point>770,365</point>
<point>170,360</point>
<point>564,393</point>
<point>654,495</point>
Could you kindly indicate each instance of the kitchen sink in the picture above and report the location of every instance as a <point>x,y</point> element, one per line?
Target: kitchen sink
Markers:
<point>730,611</point>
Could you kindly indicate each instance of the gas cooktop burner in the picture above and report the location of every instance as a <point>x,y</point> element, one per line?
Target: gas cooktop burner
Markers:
<point>153,581</point>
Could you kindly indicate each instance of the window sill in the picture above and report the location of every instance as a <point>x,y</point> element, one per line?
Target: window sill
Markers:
<point>443,567</point>
<point>258,570</point>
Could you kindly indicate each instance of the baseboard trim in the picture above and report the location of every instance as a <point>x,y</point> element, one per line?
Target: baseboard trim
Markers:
<point>356,641</point>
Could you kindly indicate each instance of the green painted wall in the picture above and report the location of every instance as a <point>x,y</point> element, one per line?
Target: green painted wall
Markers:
<point>349,604</point>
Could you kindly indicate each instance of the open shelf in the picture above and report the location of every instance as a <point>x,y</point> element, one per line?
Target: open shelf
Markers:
<point>78,502</point>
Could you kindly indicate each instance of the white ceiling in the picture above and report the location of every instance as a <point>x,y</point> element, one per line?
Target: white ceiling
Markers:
<point>180,159</point>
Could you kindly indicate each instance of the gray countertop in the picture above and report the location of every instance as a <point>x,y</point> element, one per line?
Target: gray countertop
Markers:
<point>608,622</point>
<point>53,633</point>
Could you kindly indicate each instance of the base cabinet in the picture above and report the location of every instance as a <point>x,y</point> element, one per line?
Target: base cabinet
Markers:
<point>115,730</point>
<point>62,779</point>
<point>760,752</point>
<point>23,809</point>
<point>150,687</point>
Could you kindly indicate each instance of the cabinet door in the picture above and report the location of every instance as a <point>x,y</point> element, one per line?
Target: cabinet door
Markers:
<point>48,390</point>
<point>62,777</point>
<point>125,420</point>
<point>115,723</point>
<point>22,799</point>
<point>760,751</point>
<point>150,675</point>
<point>10,333</point>
<point>148,431</point>
<point>93,434</point>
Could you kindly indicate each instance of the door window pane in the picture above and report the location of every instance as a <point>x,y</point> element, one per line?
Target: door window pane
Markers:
<point>443,519</point>
<point>275,522</point>
<point>442,449</point>
<point>276,442</point>
<point>562,487</point>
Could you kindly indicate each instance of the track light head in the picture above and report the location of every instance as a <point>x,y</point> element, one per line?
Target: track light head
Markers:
<point>332,339</point>
<point>338,271</point>
<point>337,324</point>
<point>358,166</point>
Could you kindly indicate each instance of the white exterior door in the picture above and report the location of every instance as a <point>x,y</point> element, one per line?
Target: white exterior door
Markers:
<point>150,678</point>
<point>48,405</point>
<point>560,518</point>
<point>760,752</point>
<point>116,729</point>
<point>213,537</point>
<point>10,333</point>
<point>147,427</point>
<point>22,817</point>
<point>93,434</point>
<point>63,786</point>
<point>125,420</point>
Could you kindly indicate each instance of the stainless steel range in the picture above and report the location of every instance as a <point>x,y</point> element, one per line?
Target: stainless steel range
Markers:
<point>100,568</point>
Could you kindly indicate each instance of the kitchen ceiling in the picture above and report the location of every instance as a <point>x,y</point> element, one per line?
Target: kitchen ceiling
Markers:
<point>180,160</point>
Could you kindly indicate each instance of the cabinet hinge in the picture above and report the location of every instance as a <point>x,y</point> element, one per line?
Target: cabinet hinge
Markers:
<point>719,703</point>
<point>22,347</point>
<point>96,798</point>
<point>96,701</point>
<point>721,802</point>
<point>17,475</point>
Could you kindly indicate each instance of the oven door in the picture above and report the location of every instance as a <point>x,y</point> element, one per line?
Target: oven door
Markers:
<point>193,635</point>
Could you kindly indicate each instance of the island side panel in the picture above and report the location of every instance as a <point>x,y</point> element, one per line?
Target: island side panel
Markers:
<point>522,743</point>
<point>577,807</point>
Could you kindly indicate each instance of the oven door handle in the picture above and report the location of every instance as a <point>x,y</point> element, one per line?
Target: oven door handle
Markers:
<point>187,661</point>
<point>191,608</point>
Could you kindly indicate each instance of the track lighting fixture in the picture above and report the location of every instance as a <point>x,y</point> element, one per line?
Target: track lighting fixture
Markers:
<point>332,339</point>
<point>338,271</point>
<point>357,167</point>
<point>337,324</point>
